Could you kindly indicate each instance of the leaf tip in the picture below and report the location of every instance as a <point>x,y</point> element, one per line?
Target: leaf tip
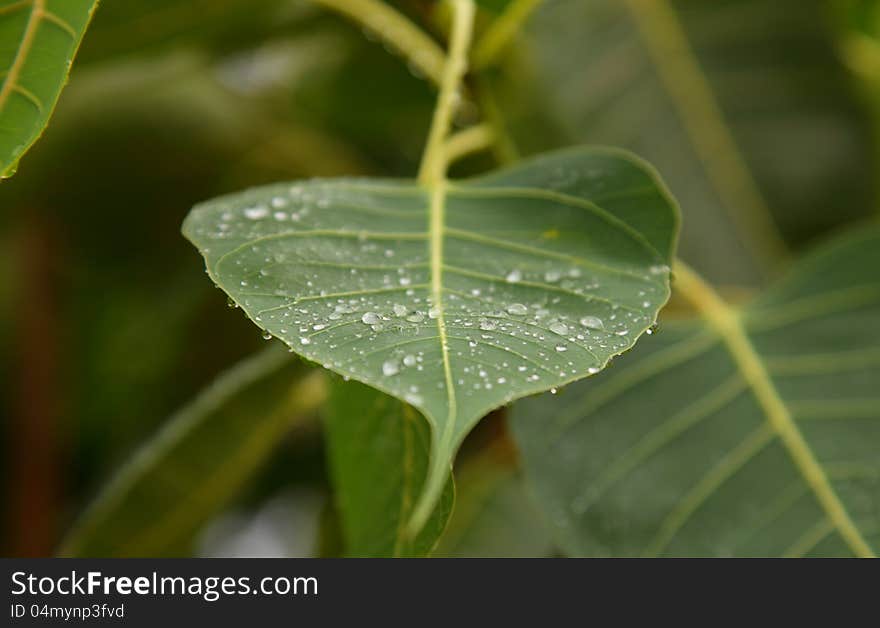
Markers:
<point>432,489</point>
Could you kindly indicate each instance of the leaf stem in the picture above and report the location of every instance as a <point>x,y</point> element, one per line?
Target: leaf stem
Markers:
<point>471,140</point>
<point>502,31</point>
<point>504,147</point>
<point>726,322</point>
<point>393,27</point>
<point>433,168</point>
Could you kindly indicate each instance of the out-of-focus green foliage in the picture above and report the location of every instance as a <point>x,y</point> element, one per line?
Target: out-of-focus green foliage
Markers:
<point>744,106</point>
<point>198,462</point>
<point>764,457</point>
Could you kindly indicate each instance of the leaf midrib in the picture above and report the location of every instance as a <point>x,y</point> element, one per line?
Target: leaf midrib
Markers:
<point>728,324</point>
<point>436,231</point>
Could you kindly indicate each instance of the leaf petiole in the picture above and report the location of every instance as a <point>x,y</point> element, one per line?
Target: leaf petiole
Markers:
<point>393,27</point>
<point>502,31</point>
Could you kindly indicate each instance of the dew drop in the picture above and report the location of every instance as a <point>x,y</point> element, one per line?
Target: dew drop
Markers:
<point>517,309</point>
<point>659,269</point>
<point>409,360</point>
<point>370,318</point>
<point>304,341</point>
<point>399,310</point>
<point>390,367</point>
<point>267,335</point>
<point>593,322</point>
<point>255,213</point>
<point>559,328</point>
<point>514,276</point>
<point>434,312</point>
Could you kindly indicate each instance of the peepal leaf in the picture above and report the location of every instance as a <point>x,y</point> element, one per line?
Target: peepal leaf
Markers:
<point>40,38</point>
<point>378,450</point>
<point>703,442</point>
<point>504,286</point>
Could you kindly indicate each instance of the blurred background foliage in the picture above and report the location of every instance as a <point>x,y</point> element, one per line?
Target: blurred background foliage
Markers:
<point>108,323</point>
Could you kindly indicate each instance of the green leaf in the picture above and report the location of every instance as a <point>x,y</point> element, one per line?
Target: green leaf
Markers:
<point>378,449</point>
<point>456,299</point>
<point>753,433</point>
<point>198,462</point>
<point>40,38</point>
<point>743,106</point>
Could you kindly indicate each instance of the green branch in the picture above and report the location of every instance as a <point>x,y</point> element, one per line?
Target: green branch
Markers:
<point>471,140</point>
<point>397,31</point>
<point>502,31</point>
<point>433,168</point>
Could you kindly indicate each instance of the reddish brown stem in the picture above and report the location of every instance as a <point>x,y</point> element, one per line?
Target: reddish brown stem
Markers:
<point>33,464</point>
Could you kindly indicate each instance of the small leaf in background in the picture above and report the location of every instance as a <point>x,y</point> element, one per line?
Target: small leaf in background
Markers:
<point>519,281</point>
<point>47,34</point>
<point>379,451</point>
<point>688,448</point>
<point>743,106</point>
<point>199,460</point>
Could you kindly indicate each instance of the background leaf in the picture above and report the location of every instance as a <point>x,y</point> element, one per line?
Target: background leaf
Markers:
<point>682,451</point>
<point>545,271</point>
<point>743,106</point>
<point>47,34</point>
<point>379,452</point>
<point>198,462</point>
